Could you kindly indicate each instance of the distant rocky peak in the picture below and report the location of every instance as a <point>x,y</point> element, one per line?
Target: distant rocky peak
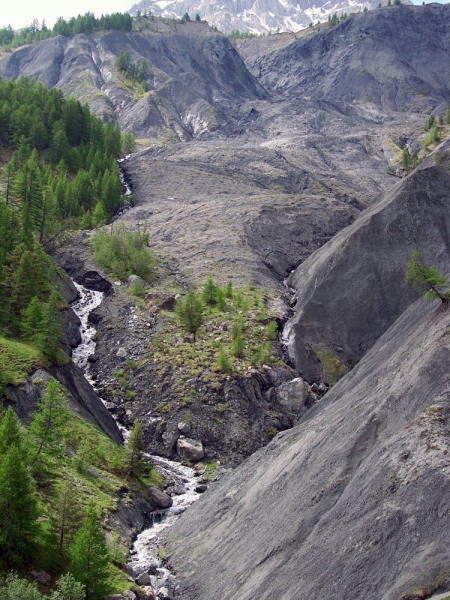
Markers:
<point>255,16</point>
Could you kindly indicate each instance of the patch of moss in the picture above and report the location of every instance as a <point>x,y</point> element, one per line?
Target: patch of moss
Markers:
<point>332,366</point>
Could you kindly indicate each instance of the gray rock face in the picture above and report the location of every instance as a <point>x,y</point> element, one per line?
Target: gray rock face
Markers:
<point>366,58</point>
<point>353,288</point>
<point>160,498</point>
<point>292,395</point>
<point>190,450</point>
<point>256,16</point>
<point>353,503</point>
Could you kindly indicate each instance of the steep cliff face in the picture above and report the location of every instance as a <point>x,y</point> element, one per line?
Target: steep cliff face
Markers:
<point>196,77</point>
<point>353,288</point>
<point>353,503</point>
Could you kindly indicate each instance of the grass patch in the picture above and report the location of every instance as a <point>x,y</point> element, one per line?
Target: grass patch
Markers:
<point>332,366</point>
<point>18,360</point>
<point>236,334</point>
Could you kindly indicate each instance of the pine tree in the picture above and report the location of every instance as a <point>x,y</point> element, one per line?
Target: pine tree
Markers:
<point>32,322</point>
<point>209,292</point>
<point>135,451</point>
<point>48,422</point>
<point>99,216</point>
<point>223,361</point>
<point>67,516</point>
<point>90,557</point>
<point>10,431</point>
<point>18,509</point>
<point>238,347</point>
<point>189,312</point>
<point>427,280</point>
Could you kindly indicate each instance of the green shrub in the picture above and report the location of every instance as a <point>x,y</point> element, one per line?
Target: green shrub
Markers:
<point>15,588</point>
<point>124,252</point>
<point>332,367</point>
<point>271,330</point>
<point>223,361</point>
<point>138,288</point>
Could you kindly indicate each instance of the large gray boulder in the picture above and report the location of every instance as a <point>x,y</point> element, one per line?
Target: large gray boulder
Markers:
<point>292,394</point>
<point>190,450</point>
<point>159,497</point>
<point>353,288</point>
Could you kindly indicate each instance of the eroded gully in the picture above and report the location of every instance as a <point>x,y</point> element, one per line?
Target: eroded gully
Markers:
<point>144,558</point>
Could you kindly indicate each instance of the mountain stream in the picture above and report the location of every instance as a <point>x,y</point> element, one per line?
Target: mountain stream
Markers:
<point>145,552</point>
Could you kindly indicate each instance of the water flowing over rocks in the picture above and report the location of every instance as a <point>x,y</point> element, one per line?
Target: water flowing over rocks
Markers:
<point>145,563</point>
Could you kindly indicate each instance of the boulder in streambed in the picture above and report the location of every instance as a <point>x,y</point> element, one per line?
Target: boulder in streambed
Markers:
<point>190,450</point>
<point>159,497</point>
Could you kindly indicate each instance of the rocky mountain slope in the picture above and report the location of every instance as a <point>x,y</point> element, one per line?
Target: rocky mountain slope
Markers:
<point>253,16</point>
<point>196,79</point>
<point>414,214</point>
<point>276,150</point>
<point>350,504</point>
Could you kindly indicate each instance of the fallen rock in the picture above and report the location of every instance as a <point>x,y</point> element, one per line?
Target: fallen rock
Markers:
<point>160,498</point>
<point>165,594</point>
<point>135,278</point>
<point>149,593</point>
<point>200,489</point>
<point>121,353</point>
<point>292,395</point>
<point>143,579</point>
<point>190,450</point>
<point>41,577</point>
<point>157,301</point>
<point>184,428</point>
<point>129,595</point>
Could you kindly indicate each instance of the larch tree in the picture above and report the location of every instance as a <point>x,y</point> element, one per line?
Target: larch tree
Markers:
<point>90,558</point>
<point>427,280</point>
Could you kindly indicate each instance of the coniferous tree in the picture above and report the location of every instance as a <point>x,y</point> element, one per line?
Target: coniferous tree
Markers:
<point>18,509</point>
<point>49,420</point>
<point>32,322</point>
<point>10,431</point>
<point>426,279</point>
<point>209,292</point>
<point>67,516</point>
<point>189,312</point>
<point>135,451</point>
<point>90,557</point>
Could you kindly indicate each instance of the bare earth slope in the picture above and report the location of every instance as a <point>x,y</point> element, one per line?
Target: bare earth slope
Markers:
<point>353,288</point>
<point>351,504</point>
<point>395,57</point>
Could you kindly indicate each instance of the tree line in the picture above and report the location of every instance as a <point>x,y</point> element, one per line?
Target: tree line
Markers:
<point>86,23</point>
<point>62,175</point>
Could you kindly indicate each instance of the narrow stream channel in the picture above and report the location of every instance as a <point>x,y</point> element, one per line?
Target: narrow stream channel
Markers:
<point>144,555</point>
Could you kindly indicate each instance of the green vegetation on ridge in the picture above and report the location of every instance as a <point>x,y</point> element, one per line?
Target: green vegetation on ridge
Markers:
<point>68,473</point>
